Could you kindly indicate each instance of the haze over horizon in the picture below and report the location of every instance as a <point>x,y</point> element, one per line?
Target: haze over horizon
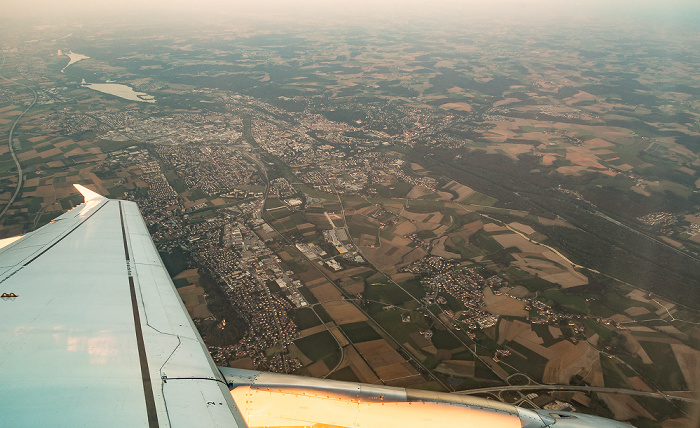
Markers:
<point>673,14</point>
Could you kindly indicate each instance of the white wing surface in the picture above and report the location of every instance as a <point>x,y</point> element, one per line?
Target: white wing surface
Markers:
<point>97,334</point>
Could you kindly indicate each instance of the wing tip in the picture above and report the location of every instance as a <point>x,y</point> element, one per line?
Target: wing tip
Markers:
<point>88,194</point>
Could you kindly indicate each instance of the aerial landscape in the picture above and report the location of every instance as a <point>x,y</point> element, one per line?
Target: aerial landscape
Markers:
<point>505,205</point>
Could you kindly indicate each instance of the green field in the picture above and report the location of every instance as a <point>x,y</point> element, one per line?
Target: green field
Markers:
<point>345,374</point>
<point>480,199</point>
<point>544,333</point>
<point>462,247</point>
<point>387,292</point>
<point>391,321</point>
<point>484,241</point>
<point>305,318</point>
<point>359,332</point>
<point>358,226</point>
<point>613,373</point>
<point>533,363</point>
<point>182,282</point>
<point>664,369</point>
<point>318,346</point>
<point>577,304</point>
<point>443,339</point>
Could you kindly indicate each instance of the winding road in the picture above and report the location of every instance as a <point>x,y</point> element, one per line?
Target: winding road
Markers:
<point>20,174</point>
<point>576,388</point>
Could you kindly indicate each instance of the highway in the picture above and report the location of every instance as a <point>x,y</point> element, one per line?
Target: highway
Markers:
<point>576,388</point>
<point>20,174</point>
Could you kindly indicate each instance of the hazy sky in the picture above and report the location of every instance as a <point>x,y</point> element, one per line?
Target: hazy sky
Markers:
<point>372,9</point>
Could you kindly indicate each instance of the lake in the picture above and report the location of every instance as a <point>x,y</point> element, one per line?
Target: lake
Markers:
<point>121,91</point>
<point>74,57</point>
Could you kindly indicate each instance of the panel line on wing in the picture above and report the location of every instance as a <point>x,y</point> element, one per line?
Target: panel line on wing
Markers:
<point>64,236</point>
<point>126,246</point>
<point>128,265</point>
<point>145,373</point>
<point>25,264</point>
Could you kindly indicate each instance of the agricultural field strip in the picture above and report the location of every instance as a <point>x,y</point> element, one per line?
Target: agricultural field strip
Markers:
<point>365,313</point>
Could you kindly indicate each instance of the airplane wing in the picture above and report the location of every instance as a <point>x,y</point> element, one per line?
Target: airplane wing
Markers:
<point>93,333</point>
<point>97,335</point>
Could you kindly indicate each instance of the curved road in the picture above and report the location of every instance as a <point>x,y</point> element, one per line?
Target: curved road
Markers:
<point>20,174</point>
<point>576,388</point>
<point>577,266</point>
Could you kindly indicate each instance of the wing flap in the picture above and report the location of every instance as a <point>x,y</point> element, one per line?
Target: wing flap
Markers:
<point>162,308</point>
<point>183,412</point>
